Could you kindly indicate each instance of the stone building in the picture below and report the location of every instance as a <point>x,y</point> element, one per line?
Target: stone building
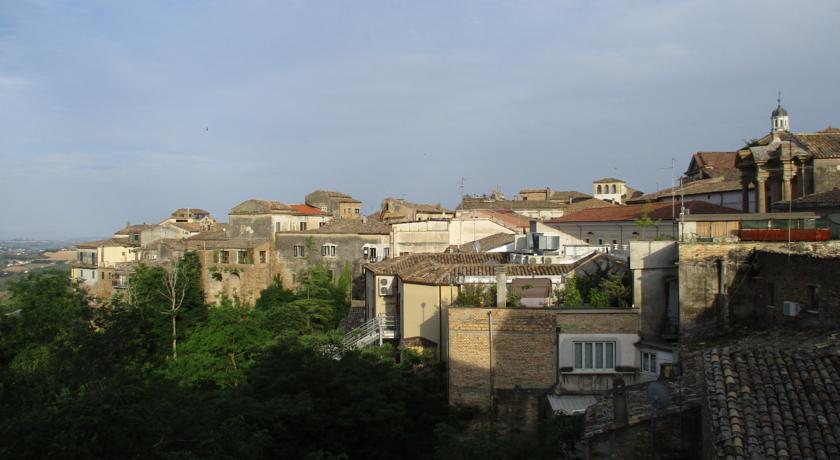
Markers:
<point>188,215</point>
<point>417,290</point>
<point>511,360</point>
<point>547,194</point>
<point>338,243</point>
<point>784,165</point>
<point>613,190</point>
<point>531,206</point>
<point>94,267</point>
<point>336,204</point>
<point>261,219</point>
<point>757,326</point>
<point>394,210</point>
<point>712,177</point>
<point>617,226</point>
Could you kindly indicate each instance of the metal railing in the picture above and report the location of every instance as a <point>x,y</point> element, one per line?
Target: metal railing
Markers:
<point>372,331</point>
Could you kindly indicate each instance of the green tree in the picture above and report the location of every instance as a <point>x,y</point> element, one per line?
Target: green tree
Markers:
<point>570,295</point>
<point>222,348</point>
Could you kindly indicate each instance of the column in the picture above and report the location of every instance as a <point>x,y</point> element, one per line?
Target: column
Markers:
<point>745,195</point>
<point>761,176</point>
<point>787,178</point>
<point>760,196</point>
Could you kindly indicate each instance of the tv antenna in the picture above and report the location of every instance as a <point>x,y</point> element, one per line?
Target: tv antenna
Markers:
<point>659,401</point>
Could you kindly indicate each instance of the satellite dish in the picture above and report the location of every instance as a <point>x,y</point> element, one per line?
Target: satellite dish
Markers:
<point>658,397</point>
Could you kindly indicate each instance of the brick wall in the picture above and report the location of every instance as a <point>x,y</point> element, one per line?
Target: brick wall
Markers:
<point>523,360</point>
<point>796,278</point>
<point>598,321</point>
<point>724,285</point>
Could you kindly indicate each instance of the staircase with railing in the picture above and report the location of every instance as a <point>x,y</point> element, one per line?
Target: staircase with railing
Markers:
<point>373,331</point>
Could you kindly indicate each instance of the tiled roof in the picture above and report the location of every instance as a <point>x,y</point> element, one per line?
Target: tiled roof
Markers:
<point>442,268</point>
<point>103,243</point>
<point>420,207</point>
<point>775,395</point>
<point>333,195</point>
<point>657,211</point>
<point>129,229</point>
<point>829,197</point>
<point>821,144</point>
<point>396,265</point>
<point>508,219</point>
<point>487,243</point>
<point>606,179</point>
<point>511,205</point>
<point>432,273</point>
<point>306,210</point>
<point>255,206</point>
<point>713,163</point>
<point>568,195</point>
<point>590,203</point>
<point>206,236</point>
<point>717,184</point>
<point>353,226</point>
<point>188,226</point>
<point>600,417</point>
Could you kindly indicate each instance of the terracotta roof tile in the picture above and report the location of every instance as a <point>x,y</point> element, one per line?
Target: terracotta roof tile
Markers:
<point>775,394</point>
<point>306,210</point>
<point>697,187</point>
<point>657,211</point>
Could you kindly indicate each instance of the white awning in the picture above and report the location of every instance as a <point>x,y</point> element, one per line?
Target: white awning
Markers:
<point>570,404</point>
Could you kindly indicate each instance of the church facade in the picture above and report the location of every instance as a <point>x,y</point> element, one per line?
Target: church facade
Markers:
<point>784,165</point>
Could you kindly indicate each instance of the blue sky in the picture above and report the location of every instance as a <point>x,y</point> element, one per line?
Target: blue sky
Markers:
<point>123,111</point>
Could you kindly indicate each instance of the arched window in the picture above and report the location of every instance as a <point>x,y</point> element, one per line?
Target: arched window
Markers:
<point>599,189</point>
<point>613,188</point>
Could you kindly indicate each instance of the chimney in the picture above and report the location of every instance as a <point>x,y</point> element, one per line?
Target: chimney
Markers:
<point>501,286</point>
<point>619,403</point>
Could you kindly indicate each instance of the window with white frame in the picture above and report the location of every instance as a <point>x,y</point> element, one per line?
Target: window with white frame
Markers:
<point>328,250</point>
<point>649,362</point>
<point>300,251</point>
<point>594,355</point>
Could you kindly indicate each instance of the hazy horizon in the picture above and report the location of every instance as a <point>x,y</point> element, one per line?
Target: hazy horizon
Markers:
<point>113,112</point>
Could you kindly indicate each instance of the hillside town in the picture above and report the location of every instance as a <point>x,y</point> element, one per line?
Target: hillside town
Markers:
<point>703,317</point>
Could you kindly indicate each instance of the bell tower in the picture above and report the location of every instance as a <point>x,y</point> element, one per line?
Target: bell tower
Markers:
<point>779,118</point>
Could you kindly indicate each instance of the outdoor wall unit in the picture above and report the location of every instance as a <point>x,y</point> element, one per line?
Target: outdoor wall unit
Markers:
<point>386,286</point>
<point>791,308</point>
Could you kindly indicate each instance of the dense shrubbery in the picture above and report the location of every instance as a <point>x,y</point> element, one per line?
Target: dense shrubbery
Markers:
<point>248,382</point>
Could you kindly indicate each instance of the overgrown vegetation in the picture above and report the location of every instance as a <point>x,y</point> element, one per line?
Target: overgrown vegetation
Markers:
<point>477,295</point>
<point>262,381</point>
<point>605,288</point>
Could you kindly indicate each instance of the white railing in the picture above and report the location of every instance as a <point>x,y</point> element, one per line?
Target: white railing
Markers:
<point>372,331</point>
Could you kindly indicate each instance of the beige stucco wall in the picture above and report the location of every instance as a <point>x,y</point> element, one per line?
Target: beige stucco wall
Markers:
<point>291,223</point>
<point>109,256</point>
<point>622,232</point>
<point>422,307</point>
<point>464,230</point>
<point>414,237</point>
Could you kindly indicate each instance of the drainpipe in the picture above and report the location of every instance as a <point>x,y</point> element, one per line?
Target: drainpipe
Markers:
<point>490,353</point>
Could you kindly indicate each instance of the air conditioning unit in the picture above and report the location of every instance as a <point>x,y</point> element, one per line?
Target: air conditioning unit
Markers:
<point>386,286</point>
<point>791,308</point>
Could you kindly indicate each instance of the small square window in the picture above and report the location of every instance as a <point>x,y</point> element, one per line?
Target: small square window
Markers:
<point>328,250</point>
<point>262,257</point>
